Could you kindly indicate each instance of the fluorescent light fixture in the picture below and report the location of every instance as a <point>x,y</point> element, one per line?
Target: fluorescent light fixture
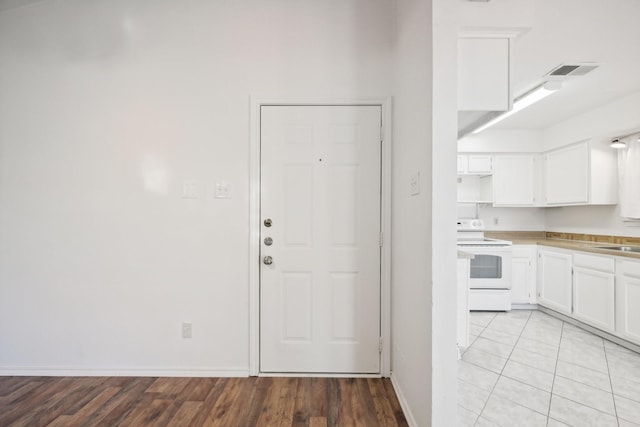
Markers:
<point>522,102</point>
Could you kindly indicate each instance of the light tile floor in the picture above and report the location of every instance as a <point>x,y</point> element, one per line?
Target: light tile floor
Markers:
<point>526,368</point>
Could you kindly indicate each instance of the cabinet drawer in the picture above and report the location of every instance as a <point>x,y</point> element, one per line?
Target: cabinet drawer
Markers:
<point>593,262</point>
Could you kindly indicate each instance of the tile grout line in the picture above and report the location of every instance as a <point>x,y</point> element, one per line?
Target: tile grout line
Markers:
<point>613,396</point>
<point>519,381</point>
<point>477,336</point>
<point>553,383</point>
<point>565,337</point>
<point>505,364</point>
<point>492,388</point>
<point>470,345</point>
<point>569,399</point>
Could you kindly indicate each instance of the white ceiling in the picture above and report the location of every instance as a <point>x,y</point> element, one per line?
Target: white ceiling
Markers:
<point>566,31</point>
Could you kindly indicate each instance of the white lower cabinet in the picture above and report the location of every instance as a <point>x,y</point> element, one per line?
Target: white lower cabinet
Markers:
<point>523,274</point>
<point>554,280</point>
<point>599,290</point>
<point>594,290</point>
<point>628,299</point>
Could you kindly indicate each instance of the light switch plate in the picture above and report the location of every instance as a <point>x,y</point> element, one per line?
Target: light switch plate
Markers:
<point>414,184</point>
<point>223,190</point>
<point>190,189</point>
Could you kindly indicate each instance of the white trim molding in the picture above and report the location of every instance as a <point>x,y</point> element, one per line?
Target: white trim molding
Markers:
<point>408,415</point>
<point>254,221</point>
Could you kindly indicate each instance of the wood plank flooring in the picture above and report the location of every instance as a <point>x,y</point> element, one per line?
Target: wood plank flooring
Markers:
<point>140,401</point>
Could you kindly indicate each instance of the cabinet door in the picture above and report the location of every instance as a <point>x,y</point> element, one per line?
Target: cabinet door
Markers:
<point>593,297</point>
<point>566,175</point>
<point>519,280</point>
<point>479,164</point>
<point>513,180</point>
<point>628,300</point>
<point>554,282</point>
<point>523,283</point>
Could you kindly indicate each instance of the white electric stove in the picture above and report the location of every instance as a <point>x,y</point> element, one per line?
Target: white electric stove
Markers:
<point>490,269</point>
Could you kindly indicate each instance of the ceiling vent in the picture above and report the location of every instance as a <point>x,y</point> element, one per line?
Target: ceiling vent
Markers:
<point>570,70</point>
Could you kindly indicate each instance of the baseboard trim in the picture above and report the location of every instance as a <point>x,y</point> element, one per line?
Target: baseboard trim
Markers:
<point>524,306</point>
<point>602,334</point>
<point>403,402</point>
<point>316,375</point>
<point>43,371</point>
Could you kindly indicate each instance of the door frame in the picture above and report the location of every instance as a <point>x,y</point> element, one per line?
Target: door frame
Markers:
<point>254,220</point>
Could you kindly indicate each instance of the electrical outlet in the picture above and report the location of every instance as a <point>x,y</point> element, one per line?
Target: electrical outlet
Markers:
<point>186,330</point>
<point>496,220</point>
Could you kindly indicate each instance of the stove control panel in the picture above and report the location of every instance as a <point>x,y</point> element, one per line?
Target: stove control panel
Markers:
<point>468,224</point>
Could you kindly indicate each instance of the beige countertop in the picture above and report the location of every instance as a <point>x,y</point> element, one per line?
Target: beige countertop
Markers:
<point>592,245</point>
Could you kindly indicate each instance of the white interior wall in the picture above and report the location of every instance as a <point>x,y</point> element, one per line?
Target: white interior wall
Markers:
<point>516,219</point>
<point>412,265</point>
<point>443,207</point>
<point>590,219</point>
<point>496,15</point>
<point>106,108</point>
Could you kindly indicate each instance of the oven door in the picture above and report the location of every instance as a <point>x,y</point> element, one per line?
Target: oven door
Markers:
<point>490,268</point>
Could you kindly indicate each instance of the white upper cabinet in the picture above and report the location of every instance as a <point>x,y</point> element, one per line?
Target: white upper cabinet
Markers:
<point>514,180</point>
<point>479,164</point>
<point>475,164</point>
<point>566,175</point>
<point>483,74</point>
<point>580,174</point>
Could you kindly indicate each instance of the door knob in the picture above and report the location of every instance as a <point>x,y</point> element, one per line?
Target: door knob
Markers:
<point>267,222</point>
<point>268,241</point>
<point>267,260</point>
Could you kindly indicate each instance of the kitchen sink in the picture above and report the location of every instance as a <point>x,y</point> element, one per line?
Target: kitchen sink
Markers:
<point>621,248</point>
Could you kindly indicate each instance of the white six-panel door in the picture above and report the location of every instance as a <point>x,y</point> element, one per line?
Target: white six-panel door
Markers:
<point>320,187</point>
